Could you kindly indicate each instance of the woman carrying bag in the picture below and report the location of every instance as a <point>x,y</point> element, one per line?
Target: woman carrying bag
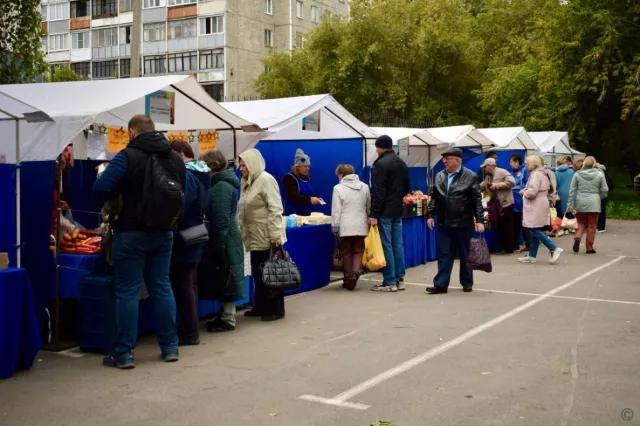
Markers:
<point>262,230</point>
<point>222,269</point>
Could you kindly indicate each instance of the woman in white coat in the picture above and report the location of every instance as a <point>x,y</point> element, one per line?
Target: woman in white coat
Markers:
<point>349,221</point>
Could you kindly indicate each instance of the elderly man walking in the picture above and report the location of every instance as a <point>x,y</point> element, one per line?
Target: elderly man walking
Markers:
<point>457,204</point>
<point>499,183</point>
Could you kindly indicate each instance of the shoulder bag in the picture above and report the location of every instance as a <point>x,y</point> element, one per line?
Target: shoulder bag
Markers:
<point>280,273</point>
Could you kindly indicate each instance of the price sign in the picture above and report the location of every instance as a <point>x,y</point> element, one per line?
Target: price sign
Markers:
<point>206,141</point>
<point>117,139</point>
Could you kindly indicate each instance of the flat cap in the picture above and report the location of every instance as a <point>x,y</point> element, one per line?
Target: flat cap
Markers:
<point>453,152</point>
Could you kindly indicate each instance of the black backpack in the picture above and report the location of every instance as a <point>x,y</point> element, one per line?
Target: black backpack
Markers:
<point>163,202</point>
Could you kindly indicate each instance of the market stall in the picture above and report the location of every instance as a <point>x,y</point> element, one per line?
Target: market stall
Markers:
<point>330,136</point>
<point>554,146</point>
<point>87,114</point>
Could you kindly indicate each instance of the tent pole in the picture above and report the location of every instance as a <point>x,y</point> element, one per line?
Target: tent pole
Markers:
<point>235,147</point>
<point>205,108</point>
<point>18,209</point>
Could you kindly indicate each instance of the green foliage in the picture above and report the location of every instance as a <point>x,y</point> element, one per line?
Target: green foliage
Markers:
<point>21,57</point>
<point>64,74</point>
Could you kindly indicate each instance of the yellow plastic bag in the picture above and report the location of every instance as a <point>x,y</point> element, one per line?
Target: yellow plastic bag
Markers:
<point>373,257</point>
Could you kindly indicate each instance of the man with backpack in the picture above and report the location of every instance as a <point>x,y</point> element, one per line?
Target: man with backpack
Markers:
<point>148,176</point>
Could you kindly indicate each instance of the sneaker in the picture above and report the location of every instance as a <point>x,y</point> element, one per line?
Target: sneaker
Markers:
<point>576,245</point>
<point>171,356</point>
<point>401,285</point>
<point>601,231</point>
<point>556,254</point>
<point>122,362</point>
<point>527,259</point>
<point>384,288</point>
<point>219,326</point>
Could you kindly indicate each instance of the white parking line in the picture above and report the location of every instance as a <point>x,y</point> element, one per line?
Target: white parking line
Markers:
<point>342,400</point>
<point>522,293</point>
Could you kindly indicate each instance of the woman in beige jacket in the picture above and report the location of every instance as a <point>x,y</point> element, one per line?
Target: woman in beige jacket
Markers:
<point>262,227</point>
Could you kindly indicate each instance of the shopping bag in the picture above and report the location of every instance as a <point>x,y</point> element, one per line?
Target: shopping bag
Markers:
<point>479,256</point>
<point>553,213</point>
<point>569,221</point>
<point>556,225</point>
<point>337,259</point>
<point>373,257</point>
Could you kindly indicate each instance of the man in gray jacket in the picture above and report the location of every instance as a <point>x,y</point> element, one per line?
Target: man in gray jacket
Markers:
<point>499,182</point>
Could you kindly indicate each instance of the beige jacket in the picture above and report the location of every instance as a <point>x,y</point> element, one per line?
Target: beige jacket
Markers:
<point>260,205</point>
<point>504,181</point>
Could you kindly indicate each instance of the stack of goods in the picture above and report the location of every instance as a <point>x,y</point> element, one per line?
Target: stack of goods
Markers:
<point>78,242</point>
<point>314,219</point>
<point>415,204</point>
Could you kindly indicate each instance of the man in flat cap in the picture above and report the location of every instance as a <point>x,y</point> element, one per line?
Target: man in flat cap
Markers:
<point>457,204</point>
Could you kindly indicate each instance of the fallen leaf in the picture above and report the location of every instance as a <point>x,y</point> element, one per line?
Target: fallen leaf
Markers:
<point>484,373</point>
<point>468,396</point>
<point>440,388</point>
<point>293,343</point>
<point>274,414</point>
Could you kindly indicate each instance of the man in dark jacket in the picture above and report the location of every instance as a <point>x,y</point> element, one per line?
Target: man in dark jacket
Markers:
<point>140,249</point>
<point>390,185</point>
<point>457,204</point>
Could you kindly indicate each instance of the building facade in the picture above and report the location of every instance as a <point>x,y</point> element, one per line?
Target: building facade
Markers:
<point>218,41</point>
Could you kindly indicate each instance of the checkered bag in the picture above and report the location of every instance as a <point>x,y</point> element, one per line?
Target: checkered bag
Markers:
<point>281,273</point>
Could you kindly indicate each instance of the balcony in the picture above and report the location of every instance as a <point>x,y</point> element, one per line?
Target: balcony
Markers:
<point>104,9</point>
<point>80,19</point>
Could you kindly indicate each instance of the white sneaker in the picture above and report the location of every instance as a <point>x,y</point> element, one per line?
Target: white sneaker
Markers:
<point>556,254</point>
<point>527,259</point>
<point>601,231</point>
<point>401,286</point>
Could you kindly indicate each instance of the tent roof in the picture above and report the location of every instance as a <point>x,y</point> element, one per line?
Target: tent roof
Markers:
<point>274,115</point>
<point>462,136</point>
<point>553,143</point>
<point>510,138</point>
<point>397,133</point>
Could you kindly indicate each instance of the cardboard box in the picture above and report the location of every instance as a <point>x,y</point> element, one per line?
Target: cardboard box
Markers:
<point>4,261</point>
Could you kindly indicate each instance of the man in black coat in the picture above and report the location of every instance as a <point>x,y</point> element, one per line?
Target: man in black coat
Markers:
<point>390,185</point>
<point>457,204</point>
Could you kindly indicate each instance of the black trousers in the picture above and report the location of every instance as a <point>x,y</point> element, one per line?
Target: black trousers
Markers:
<point>267,302</point>
<point>602,219</point>
<point>505,230</point>
<point>185,290</point>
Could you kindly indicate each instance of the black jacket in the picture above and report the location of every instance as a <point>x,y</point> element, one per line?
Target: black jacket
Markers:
<point>132,185</point>
<point>460,205</point>
<point>390,185</point>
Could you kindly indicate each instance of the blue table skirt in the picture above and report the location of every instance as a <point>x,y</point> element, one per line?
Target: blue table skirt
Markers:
<point>19,333</point>
<point>73,267</point>
<point>491,238</point>
<point>310,247</point>
<point>418,240</point>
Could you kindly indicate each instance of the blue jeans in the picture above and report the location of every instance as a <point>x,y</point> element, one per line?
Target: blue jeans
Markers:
<point>393,247</point>
<point>136,255</point>
<point>451,242</point>
<point>538,236</point>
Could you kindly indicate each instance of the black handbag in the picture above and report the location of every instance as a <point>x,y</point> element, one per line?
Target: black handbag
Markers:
<point>194,235</point>
<point>216,280</point>
<point>280,273</point>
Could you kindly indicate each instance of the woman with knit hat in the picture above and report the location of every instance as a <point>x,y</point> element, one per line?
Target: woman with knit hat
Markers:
<point>300,197</point>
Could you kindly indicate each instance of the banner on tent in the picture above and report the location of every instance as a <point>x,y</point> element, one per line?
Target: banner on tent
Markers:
<point>161,106</point>
<point>178,136</point>
<point>311,123</point>
<point>117,139</point>
<point>403,147</point>
<point>207,140</point>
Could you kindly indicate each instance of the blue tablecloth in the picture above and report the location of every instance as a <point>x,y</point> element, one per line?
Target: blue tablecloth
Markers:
<point>491,238</point>
<point>19,333</point>
<point>311,246</point>
<point>418,240</point>
<point>73,267</point>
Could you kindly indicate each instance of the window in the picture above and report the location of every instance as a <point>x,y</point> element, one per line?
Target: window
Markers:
<point>268,7</point>
<point>125,35</point>
<point>179,62</point>
<point>154,32</point>
<point>105,37</point>
<point>58,11</point>
<point>314,14</point>
<point>179,2</point>
<point>300,10</point>
<point>216,91</point>
<point>153,3</point>
<point>80,40</point>
<point>155,64</point>
<point>43,12</point>
<point>211,59</point>
<point>58,42</point>
<point>125,6</point>
<point>105,69</point>
<point>81,68</point>
<point>182,29</point>
<point>212,25</point>
<point>268,38</point>
<point>125,67</point>
<point>78,9</point>
<point>299,41</point>
<point>45,44</point>
<point>104,8</point>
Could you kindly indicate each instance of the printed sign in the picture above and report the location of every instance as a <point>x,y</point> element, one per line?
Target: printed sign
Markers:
<point>403,147</point>
<point>178,136</point>
<point>117,139</point>
<point>311,123</point>
<point>161,106</point>
<point>206,141</point>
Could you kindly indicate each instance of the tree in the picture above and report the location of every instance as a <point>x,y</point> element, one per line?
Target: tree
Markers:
<point>64,74</point>
<point>21,57</point>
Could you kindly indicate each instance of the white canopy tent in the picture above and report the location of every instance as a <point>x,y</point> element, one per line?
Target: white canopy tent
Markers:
<point>510,138</point>
<point>38,121</point>
<point>426,145</point>
<point>554,143</point>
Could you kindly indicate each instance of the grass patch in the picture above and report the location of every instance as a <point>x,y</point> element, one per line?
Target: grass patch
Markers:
<point>624,203</point>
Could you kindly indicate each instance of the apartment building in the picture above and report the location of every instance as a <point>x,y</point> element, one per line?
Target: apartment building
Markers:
<point>218,41</point>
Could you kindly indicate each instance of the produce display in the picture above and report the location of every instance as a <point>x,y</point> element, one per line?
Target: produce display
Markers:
<point>415,204</point>
<point>85,242</point>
